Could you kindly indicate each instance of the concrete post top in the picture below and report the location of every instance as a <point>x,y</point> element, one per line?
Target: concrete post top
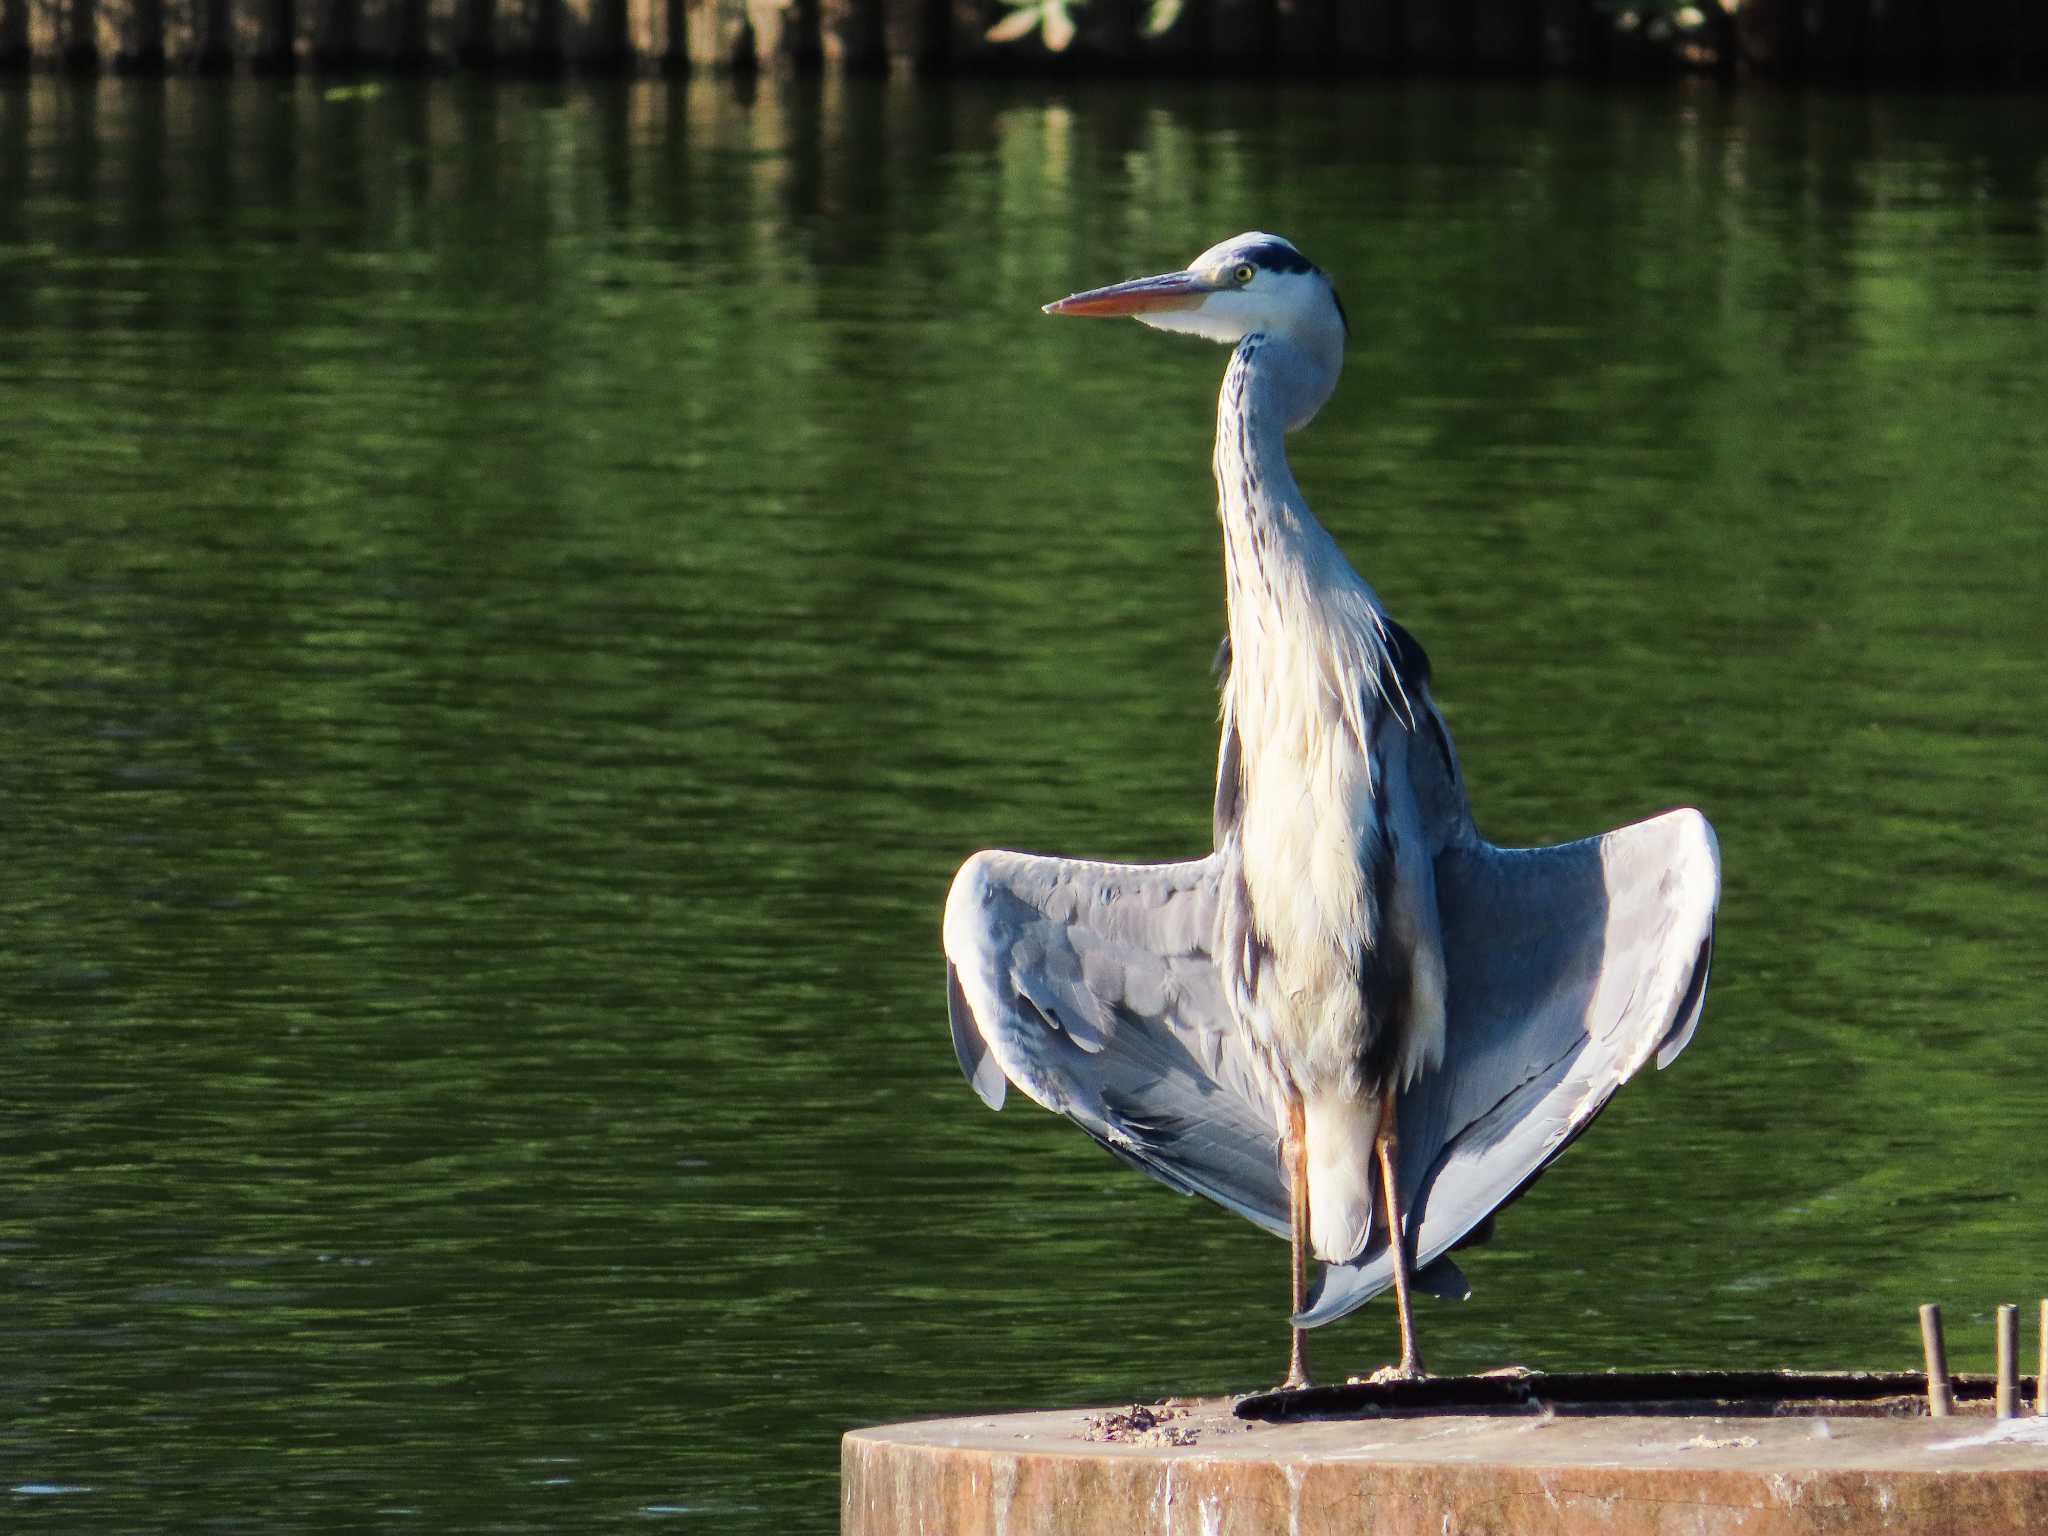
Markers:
<point>1196,1467</point>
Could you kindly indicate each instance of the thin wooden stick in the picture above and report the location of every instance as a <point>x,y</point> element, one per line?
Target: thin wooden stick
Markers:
<point>2041,1376</point>
<point>1940,1400</point>
<point>2008,1362</point>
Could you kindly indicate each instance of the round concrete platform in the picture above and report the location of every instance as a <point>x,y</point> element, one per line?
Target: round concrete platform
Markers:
<point>1199,1469</point>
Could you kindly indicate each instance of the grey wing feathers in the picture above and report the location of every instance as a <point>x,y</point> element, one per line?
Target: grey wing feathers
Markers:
<point>1569,968</point>
<point>1091,987</point>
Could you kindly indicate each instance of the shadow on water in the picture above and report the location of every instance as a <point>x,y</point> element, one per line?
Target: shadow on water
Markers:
<point>519,597</point>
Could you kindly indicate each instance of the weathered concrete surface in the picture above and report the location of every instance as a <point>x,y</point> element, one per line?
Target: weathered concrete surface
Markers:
<point>1446,1475</point>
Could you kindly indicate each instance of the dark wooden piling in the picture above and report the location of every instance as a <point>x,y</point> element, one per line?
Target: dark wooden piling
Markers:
<point>1838,38</point>
<point>968,50</point>
<point>855,35</point>
<point>213,38</point>
<point>1242,35</point>
<point>546,50</point>
<point>674,59</point>
<point>918,34</point>
<point>476,33</point>
<point>786,38</point>
<point>1307,36</point>
<point>337,34</point>
<point>610,47</point>
<point>1576,39</point>
<point>716,36</point>
<point>1996,42</point>
<point>1113,32</point>
<point>1507,36</point>
<point>142,39</point>
<point>1368,38</point>
<point>79,51</point>
<point>410,46</point>
<point>1438,34</point>
<point>14,50</point>
<point>1904,40</point>
<point>277,27</point>
<point>802,47</point>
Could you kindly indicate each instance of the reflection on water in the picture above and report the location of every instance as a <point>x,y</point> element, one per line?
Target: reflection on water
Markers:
<point>517,600</point>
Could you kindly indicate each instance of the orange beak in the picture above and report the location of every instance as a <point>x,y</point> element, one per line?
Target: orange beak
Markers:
<point>1141,296</point>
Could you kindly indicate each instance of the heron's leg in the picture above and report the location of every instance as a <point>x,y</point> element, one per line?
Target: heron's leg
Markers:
<point>1297,1230</point>
<point>1387,1145</point>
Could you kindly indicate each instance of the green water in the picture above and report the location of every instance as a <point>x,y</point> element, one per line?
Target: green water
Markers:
<point>515,604</point>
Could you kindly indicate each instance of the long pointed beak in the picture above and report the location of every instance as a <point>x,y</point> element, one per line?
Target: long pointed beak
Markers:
<point>1141,296</point>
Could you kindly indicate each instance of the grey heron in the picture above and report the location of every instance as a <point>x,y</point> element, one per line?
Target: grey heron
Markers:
<point>1355,1022</point>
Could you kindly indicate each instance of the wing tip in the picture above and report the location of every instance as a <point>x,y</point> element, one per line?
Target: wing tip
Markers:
<point>1700,859</point>
<point>1692,1003</point>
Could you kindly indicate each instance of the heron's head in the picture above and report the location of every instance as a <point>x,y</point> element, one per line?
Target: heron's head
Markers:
<point>1249,285</point>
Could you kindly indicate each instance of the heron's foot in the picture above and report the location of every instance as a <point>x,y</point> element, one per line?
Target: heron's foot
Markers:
<point>1297,1360</point>
<point>1408,1370</point>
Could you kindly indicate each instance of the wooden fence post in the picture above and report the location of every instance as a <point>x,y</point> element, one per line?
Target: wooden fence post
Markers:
<point>2041,1372</point>
<point>2007,1337</point>
<point>1940,1394</point>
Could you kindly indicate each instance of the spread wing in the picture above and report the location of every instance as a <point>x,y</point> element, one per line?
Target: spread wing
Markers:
<point>1568,969</point>
<point>1091,987</point>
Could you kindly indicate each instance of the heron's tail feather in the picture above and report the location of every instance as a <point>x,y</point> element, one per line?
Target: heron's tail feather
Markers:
<point>1339,1130</point>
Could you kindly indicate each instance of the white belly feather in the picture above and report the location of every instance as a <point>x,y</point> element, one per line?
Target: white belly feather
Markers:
<point>1308,832</point>
<point>1309,673</point>
<point>1311,835</point>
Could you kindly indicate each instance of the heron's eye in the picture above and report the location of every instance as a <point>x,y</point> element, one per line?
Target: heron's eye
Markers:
<point>1245,272</point>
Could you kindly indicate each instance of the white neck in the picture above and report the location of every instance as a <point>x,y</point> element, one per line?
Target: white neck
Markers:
<point>1287,582</point>
<point>1267,525</point>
